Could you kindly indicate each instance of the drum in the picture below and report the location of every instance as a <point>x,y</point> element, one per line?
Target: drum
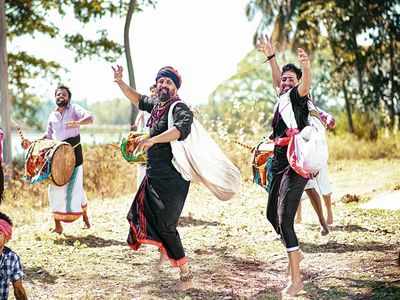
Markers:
<point>261,164</point>
<point>128,147</point>
<point>49,159</point>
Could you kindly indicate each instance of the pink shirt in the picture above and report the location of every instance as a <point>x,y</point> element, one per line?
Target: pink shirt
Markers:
<point>56,124</point>
<point>1,145</point>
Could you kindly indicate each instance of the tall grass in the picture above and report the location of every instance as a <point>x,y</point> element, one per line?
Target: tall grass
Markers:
<point>107,175</point>
<point>349,147</point>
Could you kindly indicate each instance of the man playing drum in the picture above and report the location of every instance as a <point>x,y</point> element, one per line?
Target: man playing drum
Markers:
<point>158,203</point>
<point>68,202</point>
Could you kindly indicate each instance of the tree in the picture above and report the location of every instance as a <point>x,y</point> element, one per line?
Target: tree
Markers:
<point>299,23</point>
<point>244,102</point>
<point>132,83</point>
<point>30,18</point>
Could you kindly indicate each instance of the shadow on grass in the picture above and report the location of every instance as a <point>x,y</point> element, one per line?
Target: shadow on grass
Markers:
<point>347,228</point>
<point>39,274</point>
<point>189,221</point>
<point>335,247</point>
<point>245,278</point>
<point>222,277</point>
<point>354,289</point>
<point>90,241</point>
<point>357,228</point>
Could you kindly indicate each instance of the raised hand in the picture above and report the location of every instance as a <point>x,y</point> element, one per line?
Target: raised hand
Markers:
<point>117,73</point>
<point>264,44</point>
<point>302,56</point>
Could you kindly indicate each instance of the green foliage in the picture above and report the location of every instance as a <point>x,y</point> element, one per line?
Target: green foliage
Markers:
<point>30,18</point>
<point>365,73</point>
<point>120,112</point>
<point>26,108</point>
<point>245,100</point>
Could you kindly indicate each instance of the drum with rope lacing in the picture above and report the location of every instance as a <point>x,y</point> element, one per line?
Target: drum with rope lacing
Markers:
<point>49,159</point>
<point>128,148</point>
<point>261,164</point>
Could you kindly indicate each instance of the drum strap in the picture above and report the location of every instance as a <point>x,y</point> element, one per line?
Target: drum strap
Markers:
<point>75,142</point>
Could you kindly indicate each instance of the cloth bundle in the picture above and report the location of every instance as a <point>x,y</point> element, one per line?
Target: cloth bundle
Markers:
<point>198,158</point>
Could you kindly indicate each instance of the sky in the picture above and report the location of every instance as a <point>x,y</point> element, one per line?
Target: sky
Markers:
<point>204,40</point>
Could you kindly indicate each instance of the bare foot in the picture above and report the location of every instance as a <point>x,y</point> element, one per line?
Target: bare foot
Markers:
<point>58,230</point>
<point>184,285</point>
<point>86,225</point>
<point>324,230</point>
<point>293,289</point>
<point>186,280</point>
<point>57,227</point>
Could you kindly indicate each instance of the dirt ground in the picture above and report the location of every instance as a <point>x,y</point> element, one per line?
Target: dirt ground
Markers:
<point>232,249</point>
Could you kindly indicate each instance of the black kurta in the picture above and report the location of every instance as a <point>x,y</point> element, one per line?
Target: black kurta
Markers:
<point>158,203</point>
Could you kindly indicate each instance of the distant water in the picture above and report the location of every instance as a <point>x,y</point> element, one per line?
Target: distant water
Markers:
<point>86,138</point>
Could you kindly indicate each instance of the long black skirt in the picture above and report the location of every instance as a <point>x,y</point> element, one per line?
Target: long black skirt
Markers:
<point>154,215</point>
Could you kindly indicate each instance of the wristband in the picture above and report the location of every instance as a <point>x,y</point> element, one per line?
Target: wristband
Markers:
<point>270,57</point>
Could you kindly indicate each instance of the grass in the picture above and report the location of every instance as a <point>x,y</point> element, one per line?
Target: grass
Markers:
<point>232,249</point>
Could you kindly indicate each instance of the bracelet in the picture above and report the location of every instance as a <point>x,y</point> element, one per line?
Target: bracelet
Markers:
<point>269,57</point>
<point>185,277</point>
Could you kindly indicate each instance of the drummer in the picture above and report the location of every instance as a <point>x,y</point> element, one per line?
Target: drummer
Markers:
<point>67,202</point>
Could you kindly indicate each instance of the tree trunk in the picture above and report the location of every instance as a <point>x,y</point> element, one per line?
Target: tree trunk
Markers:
<point>132,84</point>
<point>4,99</point>
<point>348,108</point>
<point>344,89</point>
<point>391,78</point>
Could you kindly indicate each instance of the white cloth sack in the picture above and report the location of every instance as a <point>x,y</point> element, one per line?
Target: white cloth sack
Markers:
<point>307,150</point>
<point>320,182</point>
<point>199,159</point>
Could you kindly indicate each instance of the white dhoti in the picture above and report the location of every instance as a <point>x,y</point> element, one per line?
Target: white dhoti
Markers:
<point>68,202</point>
<point>320,182</point>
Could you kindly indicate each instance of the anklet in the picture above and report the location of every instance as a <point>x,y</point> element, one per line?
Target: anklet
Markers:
<point>186,276</point>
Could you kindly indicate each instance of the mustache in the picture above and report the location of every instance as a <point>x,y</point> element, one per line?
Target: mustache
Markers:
<point>163,89</point>
<point>61,102</point>
<point>164,94</point>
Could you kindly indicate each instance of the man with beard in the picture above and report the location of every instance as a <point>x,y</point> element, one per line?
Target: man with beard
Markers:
<point>287,186</point>
<point>68,202</point>
<point>158,203</point>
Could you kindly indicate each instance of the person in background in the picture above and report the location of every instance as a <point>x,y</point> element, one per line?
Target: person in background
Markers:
<point>141,126</point>
<point>68,202</point>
